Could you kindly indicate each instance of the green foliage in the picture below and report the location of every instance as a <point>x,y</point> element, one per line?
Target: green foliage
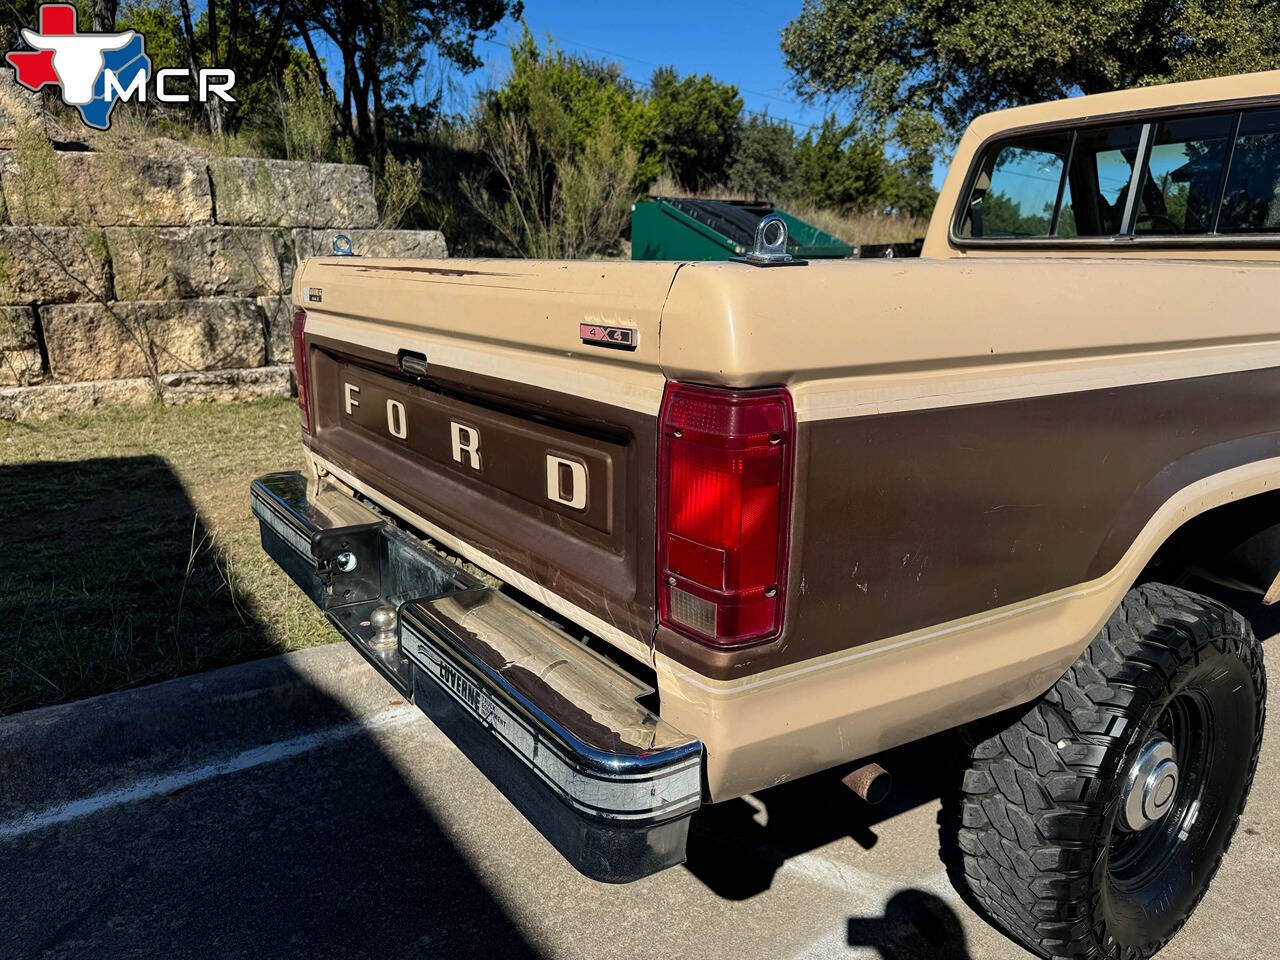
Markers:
<point>383,48</point>
<point>398,189</point>
<point>698,122</point>
<point>907,190</point>
<point>841,166</point>
<point>567,101</point>
<point>558,140</point>
<point>763,166</point>
<point>926,67</point>
<point>1003,216</point>
<point>157,20</point>
<point>306,117</point>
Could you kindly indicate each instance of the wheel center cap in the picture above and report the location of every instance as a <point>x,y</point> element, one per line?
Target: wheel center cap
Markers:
<point>1151,785</point>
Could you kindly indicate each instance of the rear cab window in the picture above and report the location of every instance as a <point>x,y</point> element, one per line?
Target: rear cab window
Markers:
<point>1251,201</point>
<point>1208,177</point>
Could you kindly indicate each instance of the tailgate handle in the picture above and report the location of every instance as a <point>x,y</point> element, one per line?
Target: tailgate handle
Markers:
<point>413,363</point>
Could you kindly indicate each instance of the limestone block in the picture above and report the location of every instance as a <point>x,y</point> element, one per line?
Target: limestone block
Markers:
<point>177,263</point>
<point>48,400</point>
<point>411,244</point>
<point>106,341</point>
<point>227,386</point>
<point>217,386</point>
<point>19,349</point>
<point>53,265</point>
<point>106,189</point>
<point>288,193</point>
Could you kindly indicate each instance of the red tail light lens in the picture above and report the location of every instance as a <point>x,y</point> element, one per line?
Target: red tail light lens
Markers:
<point>724,506</point>
<point>300,368</point>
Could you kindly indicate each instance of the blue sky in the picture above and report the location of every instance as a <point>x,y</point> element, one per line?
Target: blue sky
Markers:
<point>734,41</point>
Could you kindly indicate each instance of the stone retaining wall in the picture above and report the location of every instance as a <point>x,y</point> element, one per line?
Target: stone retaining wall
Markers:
<point>174,277</point>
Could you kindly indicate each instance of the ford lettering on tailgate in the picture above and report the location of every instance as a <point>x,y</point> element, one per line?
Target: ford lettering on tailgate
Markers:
<point>543,466</point>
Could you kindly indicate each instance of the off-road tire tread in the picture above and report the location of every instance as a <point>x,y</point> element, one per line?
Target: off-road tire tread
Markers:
<point>1031,808</point>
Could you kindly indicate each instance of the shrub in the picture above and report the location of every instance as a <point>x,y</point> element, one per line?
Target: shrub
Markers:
<point>698,122</point>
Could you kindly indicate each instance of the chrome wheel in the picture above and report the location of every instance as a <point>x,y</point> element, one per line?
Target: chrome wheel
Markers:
<point>1151,786</point>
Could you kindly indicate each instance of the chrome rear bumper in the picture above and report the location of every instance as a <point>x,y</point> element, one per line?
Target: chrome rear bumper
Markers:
<point>555,726</point>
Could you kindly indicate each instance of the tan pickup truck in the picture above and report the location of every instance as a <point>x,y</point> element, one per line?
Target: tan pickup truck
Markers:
<point>641,537</point>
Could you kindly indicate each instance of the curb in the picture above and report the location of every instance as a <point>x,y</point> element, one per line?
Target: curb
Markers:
<point>59,753</point>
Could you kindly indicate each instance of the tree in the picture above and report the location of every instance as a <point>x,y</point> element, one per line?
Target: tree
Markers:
<point>382,49</point>
<point>841,166</point>
<point>567,99</point>
<point>764,165</point>
<point>559,138</point>
<point>250,37</point>
<point>698,122</point>
<point>926,67</point>
<point>16,15</point>
<point>104,15</point>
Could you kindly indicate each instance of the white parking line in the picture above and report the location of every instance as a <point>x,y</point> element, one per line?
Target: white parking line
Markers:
<point>153,786</point>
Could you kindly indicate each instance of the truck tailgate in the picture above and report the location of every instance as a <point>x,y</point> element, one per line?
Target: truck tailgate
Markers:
<point>521,438</point>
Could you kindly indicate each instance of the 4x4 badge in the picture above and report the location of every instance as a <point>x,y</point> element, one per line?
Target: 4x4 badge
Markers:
<point>616,338</point>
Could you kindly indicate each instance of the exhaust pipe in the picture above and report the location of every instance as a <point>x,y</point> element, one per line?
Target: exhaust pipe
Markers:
<point>871,782</point>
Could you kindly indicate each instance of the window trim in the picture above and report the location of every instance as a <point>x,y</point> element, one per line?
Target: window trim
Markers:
<point>1129,219</point>
<point>1126,239</point>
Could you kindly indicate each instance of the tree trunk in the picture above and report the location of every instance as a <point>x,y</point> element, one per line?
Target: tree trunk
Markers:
<point>343,108</point>
<point>379,145</point>
<point>104,16</point>
<point>211,11</point>
<point>359,92</point>
<point>212,109</point>
<point>233,38</point>
<point>373,77</point>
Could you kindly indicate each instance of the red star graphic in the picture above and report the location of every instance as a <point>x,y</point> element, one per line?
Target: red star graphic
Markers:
<point>35,68</point>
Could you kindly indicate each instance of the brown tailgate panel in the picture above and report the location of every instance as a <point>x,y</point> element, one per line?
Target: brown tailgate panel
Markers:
<point>522,442</point>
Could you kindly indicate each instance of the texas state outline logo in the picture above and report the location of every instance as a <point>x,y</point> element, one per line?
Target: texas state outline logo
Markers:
<point>92,70</point>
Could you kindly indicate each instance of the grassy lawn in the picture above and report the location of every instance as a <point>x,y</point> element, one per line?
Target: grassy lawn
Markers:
<point>128,553</point>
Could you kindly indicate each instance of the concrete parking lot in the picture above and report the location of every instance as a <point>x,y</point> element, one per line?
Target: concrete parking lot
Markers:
<point>343,825</point>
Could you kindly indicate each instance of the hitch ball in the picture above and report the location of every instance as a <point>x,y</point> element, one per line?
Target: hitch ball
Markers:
<point>383,622</point>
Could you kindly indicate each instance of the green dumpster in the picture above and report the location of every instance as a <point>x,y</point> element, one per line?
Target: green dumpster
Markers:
<point>682,228</point>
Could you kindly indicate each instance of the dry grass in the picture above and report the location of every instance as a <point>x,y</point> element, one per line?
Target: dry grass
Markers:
<point>860,228</point>
<point>130,554</point>
<point>851,227</point>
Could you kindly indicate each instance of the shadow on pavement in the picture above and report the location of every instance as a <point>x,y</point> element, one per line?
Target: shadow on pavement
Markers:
<point>329,855</point>
<point>916,926</point>
<point>737,847</point>
<point>103,583</point>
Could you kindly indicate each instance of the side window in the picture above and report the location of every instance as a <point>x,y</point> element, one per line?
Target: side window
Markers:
<point>1065,184</point>
<point>1180,189</point>
<point>1202,176</point>
<point>1016,191</point>
<point>1252,200</point>
<point>1101,171</point>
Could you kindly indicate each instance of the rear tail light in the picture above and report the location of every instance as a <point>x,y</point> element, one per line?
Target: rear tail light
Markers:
<point>724,506</point>
<point>300,368</point>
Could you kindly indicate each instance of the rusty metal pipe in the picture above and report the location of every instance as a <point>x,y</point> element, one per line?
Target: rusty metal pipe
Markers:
<point>871,782</point>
